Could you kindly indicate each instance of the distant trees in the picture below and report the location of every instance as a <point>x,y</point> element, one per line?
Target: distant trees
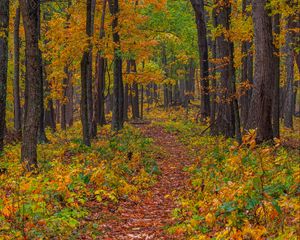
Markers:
<point>4,23</point>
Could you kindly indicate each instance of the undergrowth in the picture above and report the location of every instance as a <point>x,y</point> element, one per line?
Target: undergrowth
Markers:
<point>237,192</point>
<point>51,202</point>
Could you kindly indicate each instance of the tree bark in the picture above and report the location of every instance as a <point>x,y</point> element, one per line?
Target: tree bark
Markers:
<point>225,116</point>
<point>118,89</point>
<point>276,98</point>
<point>32,84</point>
<point>90,32</point>
<point>16,88</point>
<point>246,73</point>
<point>198,6</point>
<point>41,130</point>
<point>99,110</point>
<point>4,24</point>
<point>263,90</point>
<point>289,63</point>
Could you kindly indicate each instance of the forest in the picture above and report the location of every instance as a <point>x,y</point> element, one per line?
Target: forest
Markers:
<point>150,119</point>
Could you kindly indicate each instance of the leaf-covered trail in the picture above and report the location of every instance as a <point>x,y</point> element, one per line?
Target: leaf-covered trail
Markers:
<point>147,218</point>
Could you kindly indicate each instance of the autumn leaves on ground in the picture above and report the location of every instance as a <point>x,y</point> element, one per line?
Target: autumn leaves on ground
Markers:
<point>158,179</point>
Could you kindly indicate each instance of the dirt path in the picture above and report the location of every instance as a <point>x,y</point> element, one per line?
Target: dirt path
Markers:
<point>147,218</point>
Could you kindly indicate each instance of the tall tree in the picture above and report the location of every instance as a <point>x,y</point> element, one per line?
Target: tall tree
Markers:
<point>41,130</point>
<point>261,103</point>
<point>276,98</point>
<point>246,71</point>
<point>4,24</point>
<point>17,104</point>
<point>29,11</point>
<point>118,90</point>
<point>289,63</point>
<point>85,75</point>
<point>99,114</point>
<point>225,117</point>
<point>90,33</point>
<point>198,6</point>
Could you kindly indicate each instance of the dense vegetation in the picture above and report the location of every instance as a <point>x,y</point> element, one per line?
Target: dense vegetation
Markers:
<point>158,119</point>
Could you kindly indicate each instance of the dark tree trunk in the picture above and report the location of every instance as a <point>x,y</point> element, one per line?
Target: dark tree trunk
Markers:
<point>57,111</point>
<point>213,109</point>
<point>17,104</point>
<point>198,6</point>
<point>90,31</point>
<point>237,123</point>
<point>289,62</point>
<point>246,74</point>
<point>263,90</point>
<point>4,24</point>
<point>118,90</point>
<point>32,86</point>
<point>70,101</point>
<point>100,75</point>
<point>142,101</point>
<point>276,98</point>
<point>126,101</point>
<point>63,121</point>
<point>41,130</point>
<point>50,120</point>
<point>135,101</point>
<point>84,103</point>
<point>225,116</point>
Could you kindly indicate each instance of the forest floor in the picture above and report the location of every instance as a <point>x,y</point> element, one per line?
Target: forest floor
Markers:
<point>151,213</point>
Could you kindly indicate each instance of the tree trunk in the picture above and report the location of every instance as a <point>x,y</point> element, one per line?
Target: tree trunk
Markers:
<point>50,120</point>
<point>213,109</point>
<point>276,98</point>
<point>90,32</point>
<point>246,73</point>
<point>16,88</point>
<point>70,104</point>
<point>263,93</point>
<point>41,130</point>
<point>118,90</point>
<point>142,101</point>
<point>63,121</point>
<point>32,84</point>
<point>126,102</point>
<point>237,123</point>
<point>84,103</point>
<point>100,75</point>
<point>4,24</point>
<point>289,99</point>
<point>225,107</point>
<point>198,6</point>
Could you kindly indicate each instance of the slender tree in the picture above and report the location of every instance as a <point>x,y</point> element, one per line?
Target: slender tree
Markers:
<point>289,62</point>
<point>198,6</point>
<point>225,117</point>
<point>118,90</point>
<point>99,113</point>
<point>261,103</point>
<point>17,104</point>
<point>246,71</point>
<point>41,130</point>
<point>29,11</point>
<point>4,24</point>
<point>85,75</point>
